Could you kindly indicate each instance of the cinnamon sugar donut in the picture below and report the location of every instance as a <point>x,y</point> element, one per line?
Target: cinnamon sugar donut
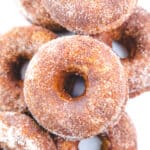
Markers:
<point>90,17</point>
<point>50,76</point>
<point>19,132</point>
<point>34,11</point>
<point>17,47</point>
<point>134,34</point>
<point>119,137</point>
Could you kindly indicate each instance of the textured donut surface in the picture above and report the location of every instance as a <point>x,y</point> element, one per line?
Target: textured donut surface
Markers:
<point>19,132</point>
<point>100,104</point>
<point>134,34</point>
<point>66,144</point>
<point>17,46</point>
<point>122,136</point>
<point>90,17</point>
<point>137,40</point>
<point>35,12</point>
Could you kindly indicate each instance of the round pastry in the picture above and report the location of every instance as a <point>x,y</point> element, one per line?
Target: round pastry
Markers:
<point>50,79</point>
<point>34,11</point>
<point>17,47</point>
<point>90,17</point>
<point>119,137</point>
<point>134,34</point>
<point>19,132</point>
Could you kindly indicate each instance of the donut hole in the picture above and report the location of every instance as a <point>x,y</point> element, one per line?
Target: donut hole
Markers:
<point>120,50</point>
<point>19,68</point>
<point>92,143</point>
<point>124,48</point>
<point>71,84</point>
<point>74,85</point>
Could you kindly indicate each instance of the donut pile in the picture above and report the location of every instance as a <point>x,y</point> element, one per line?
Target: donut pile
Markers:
<point>56,91</point>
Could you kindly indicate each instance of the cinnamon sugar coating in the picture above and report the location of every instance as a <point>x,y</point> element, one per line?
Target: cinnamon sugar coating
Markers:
<point>90,17</point>
<point>63,144</point>
<point>19,132</point>
<point>137,40</point>
<point>122,136</point>
<point>17,46</point>
<point>134,34</point>
<point>105,93</point>
<point>34,11</point>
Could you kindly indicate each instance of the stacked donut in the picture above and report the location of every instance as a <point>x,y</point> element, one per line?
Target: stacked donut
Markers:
<point>57,93</point>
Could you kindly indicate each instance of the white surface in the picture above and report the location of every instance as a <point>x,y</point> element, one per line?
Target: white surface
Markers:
<point>94,143</point>
<point>138,108</point>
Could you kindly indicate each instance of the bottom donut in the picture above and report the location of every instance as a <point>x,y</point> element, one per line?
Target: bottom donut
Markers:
<point>120,137</point>
<point>19,132</point>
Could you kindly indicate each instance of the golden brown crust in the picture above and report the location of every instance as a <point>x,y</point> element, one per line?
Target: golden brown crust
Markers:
<point>105,82</point>
<point>66,144</point>
<point>134,34</point>
<point>34,11</point>
<point>122,136</point>
<point>15,46</point>
<point>19,132</point>
<point>137,38</point>
<point>90,17</point>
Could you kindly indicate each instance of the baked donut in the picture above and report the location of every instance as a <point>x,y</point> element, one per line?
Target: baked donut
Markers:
<point>90,17</point>
<point>134,34</point>
<point>49,79</point>
<point>19,132</point>
<point>34,11</point>
<point>119,137</point>
<point>17,47</point>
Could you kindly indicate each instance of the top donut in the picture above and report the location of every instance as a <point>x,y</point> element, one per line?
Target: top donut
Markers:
<point>90,16</point>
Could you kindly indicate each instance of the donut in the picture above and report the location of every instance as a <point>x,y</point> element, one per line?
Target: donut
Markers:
<point>49,79</point>
<point>17,47</point>
<point>134,35</point>
<point>20,132</point>
<point>34,11</point>
<point>90,17</point>
<point>122,136</point>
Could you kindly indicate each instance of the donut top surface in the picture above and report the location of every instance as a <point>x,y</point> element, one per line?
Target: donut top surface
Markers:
<point>55,109</point>
<point>90,17</point>
<point>37,14</point>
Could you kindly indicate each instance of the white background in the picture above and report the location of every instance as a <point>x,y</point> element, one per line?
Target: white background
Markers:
<point>138,108</point>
